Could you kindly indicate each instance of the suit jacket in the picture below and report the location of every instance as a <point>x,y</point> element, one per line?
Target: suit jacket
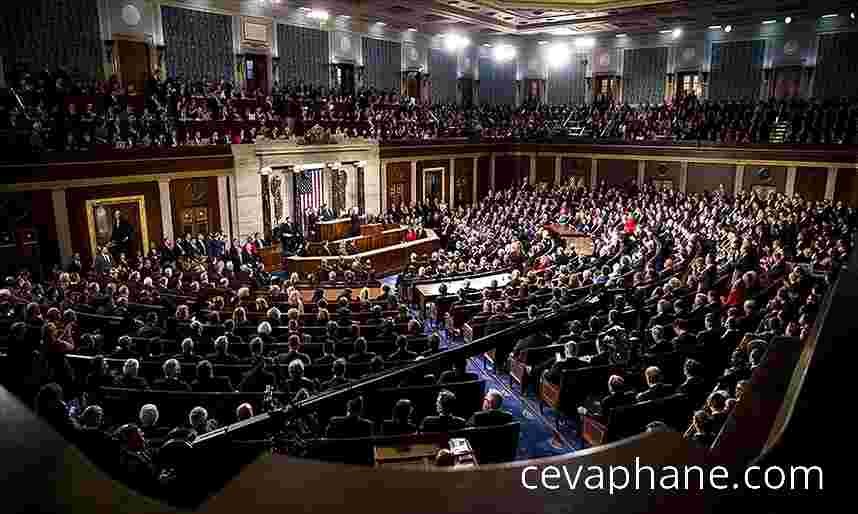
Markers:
<point>335,382</point>
<point>655,391</point>
<point>213,385</point>
<point>122,233</point>
<point>493,417</point>
<point>391,427</point>
<point>170,384</point>
<point>600,359</point>
<point>684,341</point>
<point>226,358</point>
<point>102,265</point>
<point>402,356</point>
<point>452,377</point>
<point>694,387</point>
<point>359,358</point>
<point>558,368</point>
<point>441,423</point>
<point>286,358</point>
<point>349,426</point>
<point>615,400</point>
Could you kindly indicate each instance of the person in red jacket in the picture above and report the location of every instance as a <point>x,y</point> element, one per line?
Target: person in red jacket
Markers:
<point>631,224</point>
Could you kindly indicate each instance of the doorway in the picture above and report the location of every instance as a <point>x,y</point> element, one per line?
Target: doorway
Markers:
<point>345,78</point>
<point>256,72</point>
<point>132,64</point>
<point>688,84</point>
<point>787,83</point>
<point>605,87</point>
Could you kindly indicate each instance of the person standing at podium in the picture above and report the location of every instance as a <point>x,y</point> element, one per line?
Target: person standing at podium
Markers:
<point>326,213</point>
<point>354,214</point>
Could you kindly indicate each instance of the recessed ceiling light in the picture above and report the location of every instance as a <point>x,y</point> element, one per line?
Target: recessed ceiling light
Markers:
<point>715,27</point>
<point>621,35</point>
<point>769,22</point>
<point>852,15</point>
<point>676,33</point>
<point>412,29</point>
<point>542,43</point>
<point>830,15</point>
<point>668,31</point>
<point>788,20</point>
<point>487,45</point>
<point>728,28</point>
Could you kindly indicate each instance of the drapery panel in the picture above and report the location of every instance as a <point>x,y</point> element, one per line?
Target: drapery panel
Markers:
<point>644,75</point>
<point>497,82</point>
<point>304,54</point>
<point>382,64</point>
<point>51,33</point>
<point>198,44</point>
<point>737,70</point>
<point>836,66</point>
<point>566,85</point>
<point>443,76</point>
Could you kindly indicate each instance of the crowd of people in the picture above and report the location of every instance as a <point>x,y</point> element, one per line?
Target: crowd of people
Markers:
<point>777,253</point>
<point>52,111</point>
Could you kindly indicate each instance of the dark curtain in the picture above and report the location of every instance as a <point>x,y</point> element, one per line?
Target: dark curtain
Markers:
<point>566,85</point>
<point>443,74</point>
<point>836,67</point>
<point>51,33</point>
<point>737,70</point>
<point>382,64</point>
<point>304,55</point>
<point>199,44</point>
<point>644,75</point>
<point>497,82</point>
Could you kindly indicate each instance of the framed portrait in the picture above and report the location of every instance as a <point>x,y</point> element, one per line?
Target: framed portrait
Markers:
<point>119,222</point>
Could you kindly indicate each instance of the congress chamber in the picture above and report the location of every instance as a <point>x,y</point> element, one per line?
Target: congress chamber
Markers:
<point>424,257</point>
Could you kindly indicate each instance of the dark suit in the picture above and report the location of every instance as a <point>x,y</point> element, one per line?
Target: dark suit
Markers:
<point>558,368</point>
<point>121,236</point>
<point>663,346</point>
<point>103,264</point>
<point>222,358</point>
<point>360,358</point>
<point>684,341</point>
<point>349,426</point>
<point>694,387</point>
<point>402,355</point>
<point>453,377</point>
<point>655,391</point>
<point>615,400</point>
<point>335,382</point>
<point>600,359</point>
<point>493,417</point>
<point>256,381</point>
<point>131,382</point>
<point>286,358</point>
<point>391,427</point>
<point>213,385</point>
<point>170,384</point>
<point>441,423</point>
<point>293,385</point>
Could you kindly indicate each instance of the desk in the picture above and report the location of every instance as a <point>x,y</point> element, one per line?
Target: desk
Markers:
<point>425,293</point>
<point>418,456</point>
<point>582,243</point>
<point>382,260</point>
<point>335,229</point>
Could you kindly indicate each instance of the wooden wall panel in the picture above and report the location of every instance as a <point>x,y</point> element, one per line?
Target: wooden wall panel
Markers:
<point>182,197</point>
<point>421,181</point>
<point>777,177</point>
<point>76,202</point>
<point>846,187</point>
<point>545,169</point>
<point>483,177</point>
<point>707,177</point>
<point>578,167</point>
<point>464,187</point>
<point>810,183</point>
<point>398,179</point>
<point>617,172</point>
<point>511,170</point>
<point>658,170</point>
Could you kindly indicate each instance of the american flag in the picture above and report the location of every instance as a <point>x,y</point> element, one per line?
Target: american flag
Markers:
<point>308,193</point>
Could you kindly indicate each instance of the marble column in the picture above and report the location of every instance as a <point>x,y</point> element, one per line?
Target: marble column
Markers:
<point>166,208</point>
<point>738,184</point>
<point>351,186</point>
<point>594,173</point>
<point>683,176</point>
<point>289,191</point>
<point>641,173</point>
<point>413,182</point>
<point>492,172</point>
<point>327,187</point>
<point>61,220</point>
<point>381,175</point>
<point>558,169</point>
<point>831,182</point>
<point>223,206</point>
<point>532,177</point>
<point>474,181</point>
<point>248,191</point>
<point>452,193</point>
<point>789,189</point>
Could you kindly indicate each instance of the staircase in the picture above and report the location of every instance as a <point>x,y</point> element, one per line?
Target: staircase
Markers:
<point>779,132</point>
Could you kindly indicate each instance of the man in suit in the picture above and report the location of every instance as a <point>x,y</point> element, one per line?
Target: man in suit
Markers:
<point>617,394</point>
<point>684,341</point>
<point>339,371</point>
<point>571,361</point>
<point>492,414</point>
<point>103,262</point>
<point>694,385</point>
<point>361,354</point>
<point>207,382</point>
<point>294,352</point>
<point>400,423</point>
<point>402,352</point>
<point>655,387</point>
<point>603,354</point>
<point>129,378</point>
<point>326,213</point>
<point>171,380</point>
<point>660,344</point>
<point>121,234</point>
<point>352,424</point>
<point>457,374</point>
<point>445,421</point>
<point>221,354</point>
<point>200,246</point>
<point>187,354</point>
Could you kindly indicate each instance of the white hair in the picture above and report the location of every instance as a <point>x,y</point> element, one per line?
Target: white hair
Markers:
<point>264,328</point>
<point>131,366</point>
<point>495,397</point>
<point>171,367</point>
<point>198,416</point>
<point>148,414</point>
<point>147,282</point>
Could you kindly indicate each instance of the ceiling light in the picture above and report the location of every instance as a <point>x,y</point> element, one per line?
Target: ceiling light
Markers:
<point>585,42</point>
<point>788,20</point>
<point>558,55</point>
<point>542,43</point>
<point>852,15</point>
<point>487,45</point>
<point>621,35</point>
<point>830,15</point>
<point>318,14</point>
<point>455,42</point>
<point>504,52</point>
<point>412,29</point>
<point>676,33</point>
<point>668,31</point>
<point>728,28</point>
<point>769,22</point>
<point>715,27</point>
<point>562,31</point>
<point>345,16</point>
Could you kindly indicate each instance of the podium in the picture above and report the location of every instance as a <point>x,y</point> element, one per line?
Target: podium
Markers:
<point>335,229</point>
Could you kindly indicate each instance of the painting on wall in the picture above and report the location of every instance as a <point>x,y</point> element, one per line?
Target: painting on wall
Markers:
<point>118,223</point>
